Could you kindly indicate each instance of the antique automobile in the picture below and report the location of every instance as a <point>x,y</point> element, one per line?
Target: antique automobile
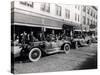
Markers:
<point>94,39</point>
<point>34,50</point>
<point>79,41</point>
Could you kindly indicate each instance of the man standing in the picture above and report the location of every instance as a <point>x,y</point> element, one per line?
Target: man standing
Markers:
<point>24,38</point>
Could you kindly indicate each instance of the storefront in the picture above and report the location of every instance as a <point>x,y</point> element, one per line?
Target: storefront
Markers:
<point>24,19</point>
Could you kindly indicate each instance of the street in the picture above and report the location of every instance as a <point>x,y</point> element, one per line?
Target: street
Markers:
<point>59,61</point>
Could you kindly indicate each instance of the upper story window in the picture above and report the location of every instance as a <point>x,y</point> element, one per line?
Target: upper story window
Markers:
<point>75,17</point>
<point>84,20</point>
<point>45,7</point>
<point>91,21</point>
<point>87,21</point>
<point>91,12</point>
<point>84,8</point>
<point>67,13</point>
<point>77,7</point>
<point>58,10</point>
<point>88,10</point>
<point>96,23</point>
<point>78,18</point>
<point>96,16</point>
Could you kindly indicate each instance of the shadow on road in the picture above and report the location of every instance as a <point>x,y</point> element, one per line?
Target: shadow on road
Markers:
<point>90,63</point>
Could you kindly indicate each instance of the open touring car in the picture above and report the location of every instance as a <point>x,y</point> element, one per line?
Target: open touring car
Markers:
<point>34,50</point>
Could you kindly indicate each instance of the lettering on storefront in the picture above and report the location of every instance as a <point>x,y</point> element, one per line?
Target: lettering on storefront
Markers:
<point>28,4</point>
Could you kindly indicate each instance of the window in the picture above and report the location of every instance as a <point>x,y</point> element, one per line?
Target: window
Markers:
<point>67,13</point>
<point>84,20</point>
<point>91,21</point>
<point>96,23</point>
<point>87,21</point>
<point>75,17</point>
<point>84,8</point>
<point>96,16</point>
<point>78,18</point>
<point>91,12</point>
<point>45,7</point>
<point>75,6</point>
<point>58,10</point>
<point>88,10</point>
<point>78,7</point>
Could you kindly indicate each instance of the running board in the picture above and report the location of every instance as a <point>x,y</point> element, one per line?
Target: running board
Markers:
<point>55,51</point>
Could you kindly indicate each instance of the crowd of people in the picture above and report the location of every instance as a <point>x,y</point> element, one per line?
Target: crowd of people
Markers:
<point>26,38</point>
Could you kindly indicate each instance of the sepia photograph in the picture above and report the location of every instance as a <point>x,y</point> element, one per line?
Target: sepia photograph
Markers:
<point>52,37</point>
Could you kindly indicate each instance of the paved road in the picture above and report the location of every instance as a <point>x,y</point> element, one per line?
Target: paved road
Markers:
<point>58,62</point>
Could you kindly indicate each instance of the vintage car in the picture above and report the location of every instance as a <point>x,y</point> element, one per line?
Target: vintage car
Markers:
<point>80,41</point>
<point>94,39</point>
<point>34,50</point>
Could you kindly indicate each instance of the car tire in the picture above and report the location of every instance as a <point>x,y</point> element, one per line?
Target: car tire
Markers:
<point>66,48</point>
<point>35,54</point>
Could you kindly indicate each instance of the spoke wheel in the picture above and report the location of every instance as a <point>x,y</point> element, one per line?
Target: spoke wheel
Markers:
<point>34,54</point>
<point>66,48</point>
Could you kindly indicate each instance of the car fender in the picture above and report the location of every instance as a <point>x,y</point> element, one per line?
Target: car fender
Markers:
<point>66,42</point>
<point>40,47</point>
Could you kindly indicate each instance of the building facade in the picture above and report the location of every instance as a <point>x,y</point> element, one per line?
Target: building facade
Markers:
<point>51,17</point>
<point>89,18</point>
